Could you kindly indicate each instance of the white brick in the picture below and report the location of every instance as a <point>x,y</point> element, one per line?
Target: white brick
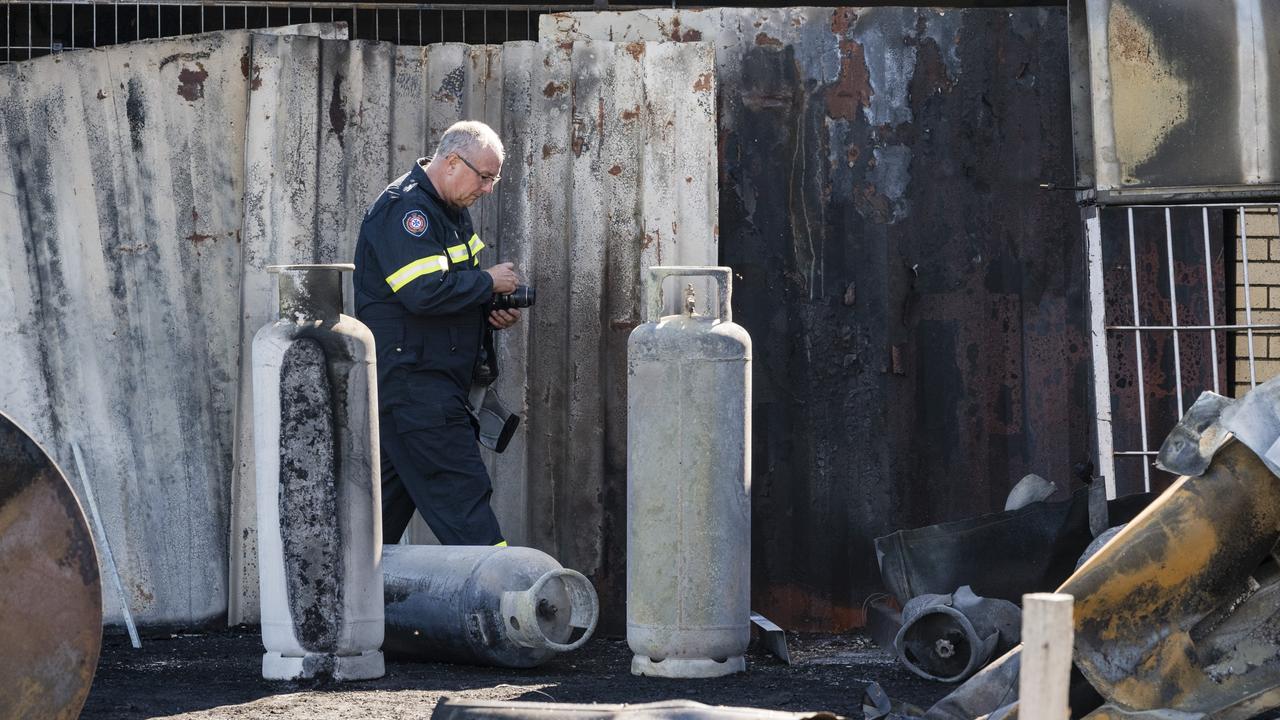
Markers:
<point>1261,273</point>
<point>1242,345</point>
<point>1258,298</point>
<point>1260,224</point>
<point>1267,369</point>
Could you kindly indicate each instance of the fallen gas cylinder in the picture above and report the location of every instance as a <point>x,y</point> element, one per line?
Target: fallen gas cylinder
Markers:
<point>950,637</point>
<point>506,606</point>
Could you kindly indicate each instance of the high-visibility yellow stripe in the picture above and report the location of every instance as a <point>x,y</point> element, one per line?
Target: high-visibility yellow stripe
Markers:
<point>462,251</point>
<point>416,269</point>
<point>458,253</point>
<point>501,544</point>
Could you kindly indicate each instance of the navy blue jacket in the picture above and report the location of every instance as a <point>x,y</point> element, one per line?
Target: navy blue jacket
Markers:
<point>420,289</point>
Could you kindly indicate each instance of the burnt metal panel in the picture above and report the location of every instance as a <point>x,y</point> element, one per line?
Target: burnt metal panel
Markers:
<point>1183,97</point>
<point>915,299</point>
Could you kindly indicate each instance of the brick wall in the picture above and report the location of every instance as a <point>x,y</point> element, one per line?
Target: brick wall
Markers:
<point>1263,232</point>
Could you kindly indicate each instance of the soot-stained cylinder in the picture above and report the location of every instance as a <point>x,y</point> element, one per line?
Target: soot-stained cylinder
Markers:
<point>505,606</point>
<point>688,486</point>
<point>315,430</point>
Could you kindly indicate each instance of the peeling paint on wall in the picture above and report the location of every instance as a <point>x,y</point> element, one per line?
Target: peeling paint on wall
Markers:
<point>1176,97</point>
<point>1150,94</point>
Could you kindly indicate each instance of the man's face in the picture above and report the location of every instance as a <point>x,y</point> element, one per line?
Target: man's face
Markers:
<point>472,177</point>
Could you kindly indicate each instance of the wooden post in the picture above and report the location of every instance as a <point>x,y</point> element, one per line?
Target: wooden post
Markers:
<point>1047,638</point>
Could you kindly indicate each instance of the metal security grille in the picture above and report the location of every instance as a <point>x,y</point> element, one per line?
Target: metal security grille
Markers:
<point>33,29</point>
<point>1166,324</point>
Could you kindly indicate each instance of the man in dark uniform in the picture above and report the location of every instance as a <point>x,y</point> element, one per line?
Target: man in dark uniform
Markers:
<point>420,289</point>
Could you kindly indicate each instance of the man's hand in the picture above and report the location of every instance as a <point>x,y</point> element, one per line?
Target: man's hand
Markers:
<point>504,279</point>
<point>503,319</point>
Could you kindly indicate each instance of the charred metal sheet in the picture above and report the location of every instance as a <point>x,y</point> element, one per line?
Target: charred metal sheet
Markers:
<point>607,171</point>
<point>1038,546</point>
<point>1196,438</point>
<point>1029,489</point>
<point>883,622</point>
<point>1182,96</point>
<point>1255,421</point>
<point>1178,610</point>
<point>51,596</point>
<point>772,637</point>
<point>917,300</point>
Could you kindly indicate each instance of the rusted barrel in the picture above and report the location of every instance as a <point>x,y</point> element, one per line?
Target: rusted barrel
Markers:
<point>50,595</point>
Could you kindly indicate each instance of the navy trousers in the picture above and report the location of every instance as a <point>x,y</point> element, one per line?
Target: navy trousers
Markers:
<point>436,467</point>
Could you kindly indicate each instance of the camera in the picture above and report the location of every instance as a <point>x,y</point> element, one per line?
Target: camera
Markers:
<point>522,297</point>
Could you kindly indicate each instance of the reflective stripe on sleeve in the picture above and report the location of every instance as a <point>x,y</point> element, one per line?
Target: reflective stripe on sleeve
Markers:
<point>416,269</point>
<point>462,251</point>
<point>458,253</point>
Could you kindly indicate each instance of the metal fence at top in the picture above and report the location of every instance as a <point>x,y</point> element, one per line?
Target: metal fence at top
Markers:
<point>1170,289</point>
<point>34,29</point>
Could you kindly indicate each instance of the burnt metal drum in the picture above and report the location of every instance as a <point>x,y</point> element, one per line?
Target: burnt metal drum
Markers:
<point>51,595</point>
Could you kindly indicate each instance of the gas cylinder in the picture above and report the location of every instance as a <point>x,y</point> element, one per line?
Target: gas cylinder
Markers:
<point>688,485</point>
<point>506,606</point>
<point>315,428</point>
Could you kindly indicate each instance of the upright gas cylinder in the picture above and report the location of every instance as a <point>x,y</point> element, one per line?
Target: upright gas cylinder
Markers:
<point>505,606</point>
<point>315,426</point>
<point>688,485</point>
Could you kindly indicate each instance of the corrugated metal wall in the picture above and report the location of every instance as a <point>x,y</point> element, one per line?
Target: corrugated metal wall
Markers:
<point>607,171</point>
<point>119,270</point>
<point>150,185</point>
<point>914,297</point>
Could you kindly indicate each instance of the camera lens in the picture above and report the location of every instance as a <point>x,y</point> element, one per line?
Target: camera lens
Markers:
<point>522,297</point>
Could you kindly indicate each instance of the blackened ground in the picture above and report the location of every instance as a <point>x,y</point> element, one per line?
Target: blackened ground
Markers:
<point>218,675</point>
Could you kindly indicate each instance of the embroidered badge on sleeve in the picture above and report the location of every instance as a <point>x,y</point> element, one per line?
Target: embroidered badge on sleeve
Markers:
<point>415,223</point>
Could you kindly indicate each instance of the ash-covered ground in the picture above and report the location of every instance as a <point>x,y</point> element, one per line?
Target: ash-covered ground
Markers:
<point>218,675</point>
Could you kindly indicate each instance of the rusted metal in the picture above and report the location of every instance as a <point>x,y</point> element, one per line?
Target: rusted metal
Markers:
<point>1175,615</point>
<point>1178,610</point>
<point>1141,250</point>
<point>917,299</point>
<point>51,596</point>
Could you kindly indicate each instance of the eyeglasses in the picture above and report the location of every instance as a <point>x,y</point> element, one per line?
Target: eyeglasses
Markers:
<point>485,177</point>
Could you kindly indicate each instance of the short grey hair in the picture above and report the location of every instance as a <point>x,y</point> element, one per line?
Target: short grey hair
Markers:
<point>467,137</point>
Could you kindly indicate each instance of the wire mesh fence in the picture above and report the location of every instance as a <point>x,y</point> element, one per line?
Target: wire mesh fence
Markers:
<point>33,29</point>
<point>1183,299</point>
